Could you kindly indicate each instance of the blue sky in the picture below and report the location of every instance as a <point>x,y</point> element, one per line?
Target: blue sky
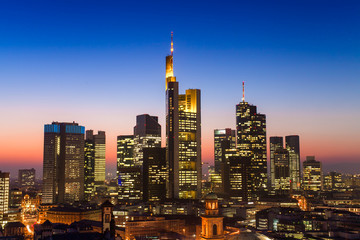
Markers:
<point>102,63</point>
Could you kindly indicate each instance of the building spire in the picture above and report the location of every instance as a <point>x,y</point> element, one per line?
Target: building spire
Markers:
<point>243,97</point>
<point>172,43</point>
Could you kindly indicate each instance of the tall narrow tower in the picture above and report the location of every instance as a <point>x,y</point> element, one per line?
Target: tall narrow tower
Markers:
<point>172,126</point>
<point>183,137</point>
<point>251,142</point>
<point>293,146</point>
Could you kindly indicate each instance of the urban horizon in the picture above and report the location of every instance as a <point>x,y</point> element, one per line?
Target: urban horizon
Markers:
<point>191,120</point>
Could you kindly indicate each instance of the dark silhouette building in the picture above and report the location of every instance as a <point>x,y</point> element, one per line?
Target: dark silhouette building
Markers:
<point>155,174</point>
<point>221,135</point>
<point>147,134</point>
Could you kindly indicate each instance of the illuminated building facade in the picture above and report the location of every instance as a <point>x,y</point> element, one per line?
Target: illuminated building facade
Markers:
<point>29,208</point>
<point>155,174</point>
<point>282,171</point>
<point>99,170</point>
<point>147,134</point>
<point>293,146</point>
<point>219,136</point>
<point>189,145</point>
<point>251,142</point>
<point>216,181</point>
<point>129,174</point>
<point>275,143</point>
<point>156,227</point>
<point>235,175</point>
<point>89,166</point>
<point>94,162</point>
<point>333,182</point>
<point>15,198</point>
<point>312,175</point>
<point>70,214</point>
<point>26,177</point>
<point>183,137</point>
<point>4,196</point>
<point>63,166</point>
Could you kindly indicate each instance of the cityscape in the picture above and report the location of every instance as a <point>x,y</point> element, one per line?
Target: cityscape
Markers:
<point>175,176</point>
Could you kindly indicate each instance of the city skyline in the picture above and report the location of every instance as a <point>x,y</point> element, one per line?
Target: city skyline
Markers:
<point>295,103</point>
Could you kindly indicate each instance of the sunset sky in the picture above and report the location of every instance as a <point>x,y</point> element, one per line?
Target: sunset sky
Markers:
<point>101,63</point>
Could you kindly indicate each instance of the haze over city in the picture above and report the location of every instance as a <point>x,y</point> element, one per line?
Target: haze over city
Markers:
<point>101,65</point>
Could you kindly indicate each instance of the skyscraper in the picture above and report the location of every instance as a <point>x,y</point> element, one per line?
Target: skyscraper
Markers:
<point>251,142</point>
<point>147,134</point>
<point>275,143</point>
<point>129,174</point>
<point>292,156</point>
<point>293,146</point>
<point>63,166</point>
<point>235,173</point>
<point>312,175</point>
<point>26,177</point>
<point>219,136</point>
<point>4,196</point>
<point>189,145</point>
<point>183,137</point>
<point>155,174</point>
<point>97,142</point>
<point>281,171</point>
<point>89,166</point>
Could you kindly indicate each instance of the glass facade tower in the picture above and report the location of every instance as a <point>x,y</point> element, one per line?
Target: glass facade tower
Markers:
<point>63,166</point>
<point>251,143</point>
<point>183,137</point>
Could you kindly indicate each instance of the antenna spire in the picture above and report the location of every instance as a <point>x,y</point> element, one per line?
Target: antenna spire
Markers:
<point>243,97</point>
<point>172,44</point>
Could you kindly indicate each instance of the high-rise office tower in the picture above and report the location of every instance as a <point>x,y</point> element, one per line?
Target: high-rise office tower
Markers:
<point>219,136</point>
<point>155,174</point>
<point>275,143</point>
<point>26,177</point>
<point>312,175</point>
<point>147,134</point>
<point>251,142</point>
<point>281,171</point>
<point>235,174</point>
<point>293,154</point>
<point>129,174</point>
<point>98,142</point>
<point>189,145</point>
<point>4,196</point>
<point>172,126</point>
<point>293,146</point>
<point>63,166</point>
<point>183,137</point>
<point>89,166</point>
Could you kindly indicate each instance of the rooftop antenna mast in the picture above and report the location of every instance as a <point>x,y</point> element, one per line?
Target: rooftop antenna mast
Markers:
<point>243,97</point>
<point>172,44</point>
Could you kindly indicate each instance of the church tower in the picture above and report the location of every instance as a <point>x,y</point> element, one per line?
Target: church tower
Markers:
<point>212,222</point>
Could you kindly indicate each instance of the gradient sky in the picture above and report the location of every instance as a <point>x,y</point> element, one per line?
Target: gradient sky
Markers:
<point>101,63</point>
